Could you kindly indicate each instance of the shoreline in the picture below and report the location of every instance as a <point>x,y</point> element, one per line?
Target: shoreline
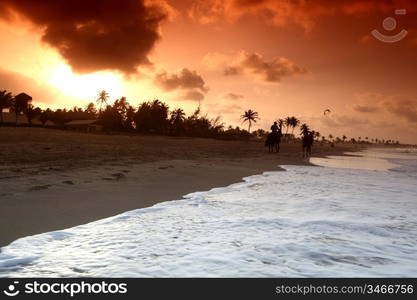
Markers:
<point>55,199</point>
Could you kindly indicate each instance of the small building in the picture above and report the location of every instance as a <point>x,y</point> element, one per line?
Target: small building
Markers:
<point>10,118</point>
<point>84,125</point>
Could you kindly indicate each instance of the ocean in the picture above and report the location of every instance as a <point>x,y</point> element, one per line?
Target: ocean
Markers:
<point>350,216</point>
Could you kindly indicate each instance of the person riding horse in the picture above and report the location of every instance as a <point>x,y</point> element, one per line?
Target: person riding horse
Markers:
<point>274,138</point>
<point>307,142</point>
<point>275,128</point>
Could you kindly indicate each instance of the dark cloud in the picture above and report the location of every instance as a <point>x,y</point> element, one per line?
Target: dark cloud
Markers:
<point>193,96</point>
<point>400,106</point>
<point>270,71</point>
<point>17,83</point>
<point>403,107</point>
<point>281,12</point>
<point>232,71</point>
<point>345,121</point>
<point>365,108</point>
<point>94,35</point>
<point>233,96</point>
<point>185,79</point>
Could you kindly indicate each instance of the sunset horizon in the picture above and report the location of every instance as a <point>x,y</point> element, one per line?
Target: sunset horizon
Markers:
<point>279,59</point>
<point>254,148</point>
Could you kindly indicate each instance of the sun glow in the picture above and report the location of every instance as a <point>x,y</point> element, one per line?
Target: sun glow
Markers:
<point>85,86</point>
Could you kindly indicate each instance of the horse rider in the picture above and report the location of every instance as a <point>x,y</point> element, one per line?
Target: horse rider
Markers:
<point>274,128</point>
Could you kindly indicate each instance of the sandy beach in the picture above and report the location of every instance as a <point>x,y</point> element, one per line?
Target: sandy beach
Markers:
<point>51,179</point>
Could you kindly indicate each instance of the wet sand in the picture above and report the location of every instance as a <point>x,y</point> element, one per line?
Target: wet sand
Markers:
<point>51,179</point>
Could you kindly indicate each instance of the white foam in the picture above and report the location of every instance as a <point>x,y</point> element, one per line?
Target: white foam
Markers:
<point>307,221</point>
<point>352,162</point>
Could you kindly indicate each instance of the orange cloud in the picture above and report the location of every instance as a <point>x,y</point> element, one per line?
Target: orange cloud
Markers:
<point>185,79</point>
<point>254,64</point>
<point>345,121</point>
<point>403,107</point>
<point>281,12</point>
<point>400,106</point>
<point>233,96</point>
<point>191,84</point>
<point>192,96</point>
<point>270,71</point>
<point>217,109</point>
<point>365,108</point>
<point>17,83</point>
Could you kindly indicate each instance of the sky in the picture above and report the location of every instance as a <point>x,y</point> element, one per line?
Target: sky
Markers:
<point>278,57</point>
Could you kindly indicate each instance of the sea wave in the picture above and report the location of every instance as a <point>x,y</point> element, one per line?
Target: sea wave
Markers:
<point>307,221</point>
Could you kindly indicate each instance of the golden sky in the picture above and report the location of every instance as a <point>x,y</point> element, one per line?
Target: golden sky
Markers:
<point>277,57</point>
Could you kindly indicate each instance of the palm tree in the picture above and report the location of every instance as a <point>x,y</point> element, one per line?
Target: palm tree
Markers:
<point>330,137</point>
<point>5,101</point>
<point>152,117</point>
<point>91,110</point>
<point>294,123</point>
<point>20,103</point>
<point>120,106</point>
<point>45,116</point>
<point>288,122</point>
<point>177,116</point>
<point>102,98</point>
<point>344,137</point>
<point>249,116</point>
<point>304,129</point>
<point>31,112</point>
<point>130,116</point>
<point>177,119</point>
<point>280,123</point>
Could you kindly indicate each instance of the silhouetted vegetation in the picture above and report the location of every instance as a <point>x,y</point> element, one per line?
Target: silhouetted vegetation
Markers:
<point>5,102</point>
<point>20,104</point>
<point>155,117</point>
<point>250,116</point>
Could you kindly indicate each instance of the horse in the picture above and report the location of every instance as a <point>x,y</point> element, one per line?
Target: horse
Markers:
<point>307,141</point>
<point>272,141</point>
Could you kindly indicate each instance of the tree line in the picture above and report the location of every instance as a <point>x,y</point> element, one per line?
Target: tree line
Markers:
<point>155,117</point>
<point>150,117</point>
